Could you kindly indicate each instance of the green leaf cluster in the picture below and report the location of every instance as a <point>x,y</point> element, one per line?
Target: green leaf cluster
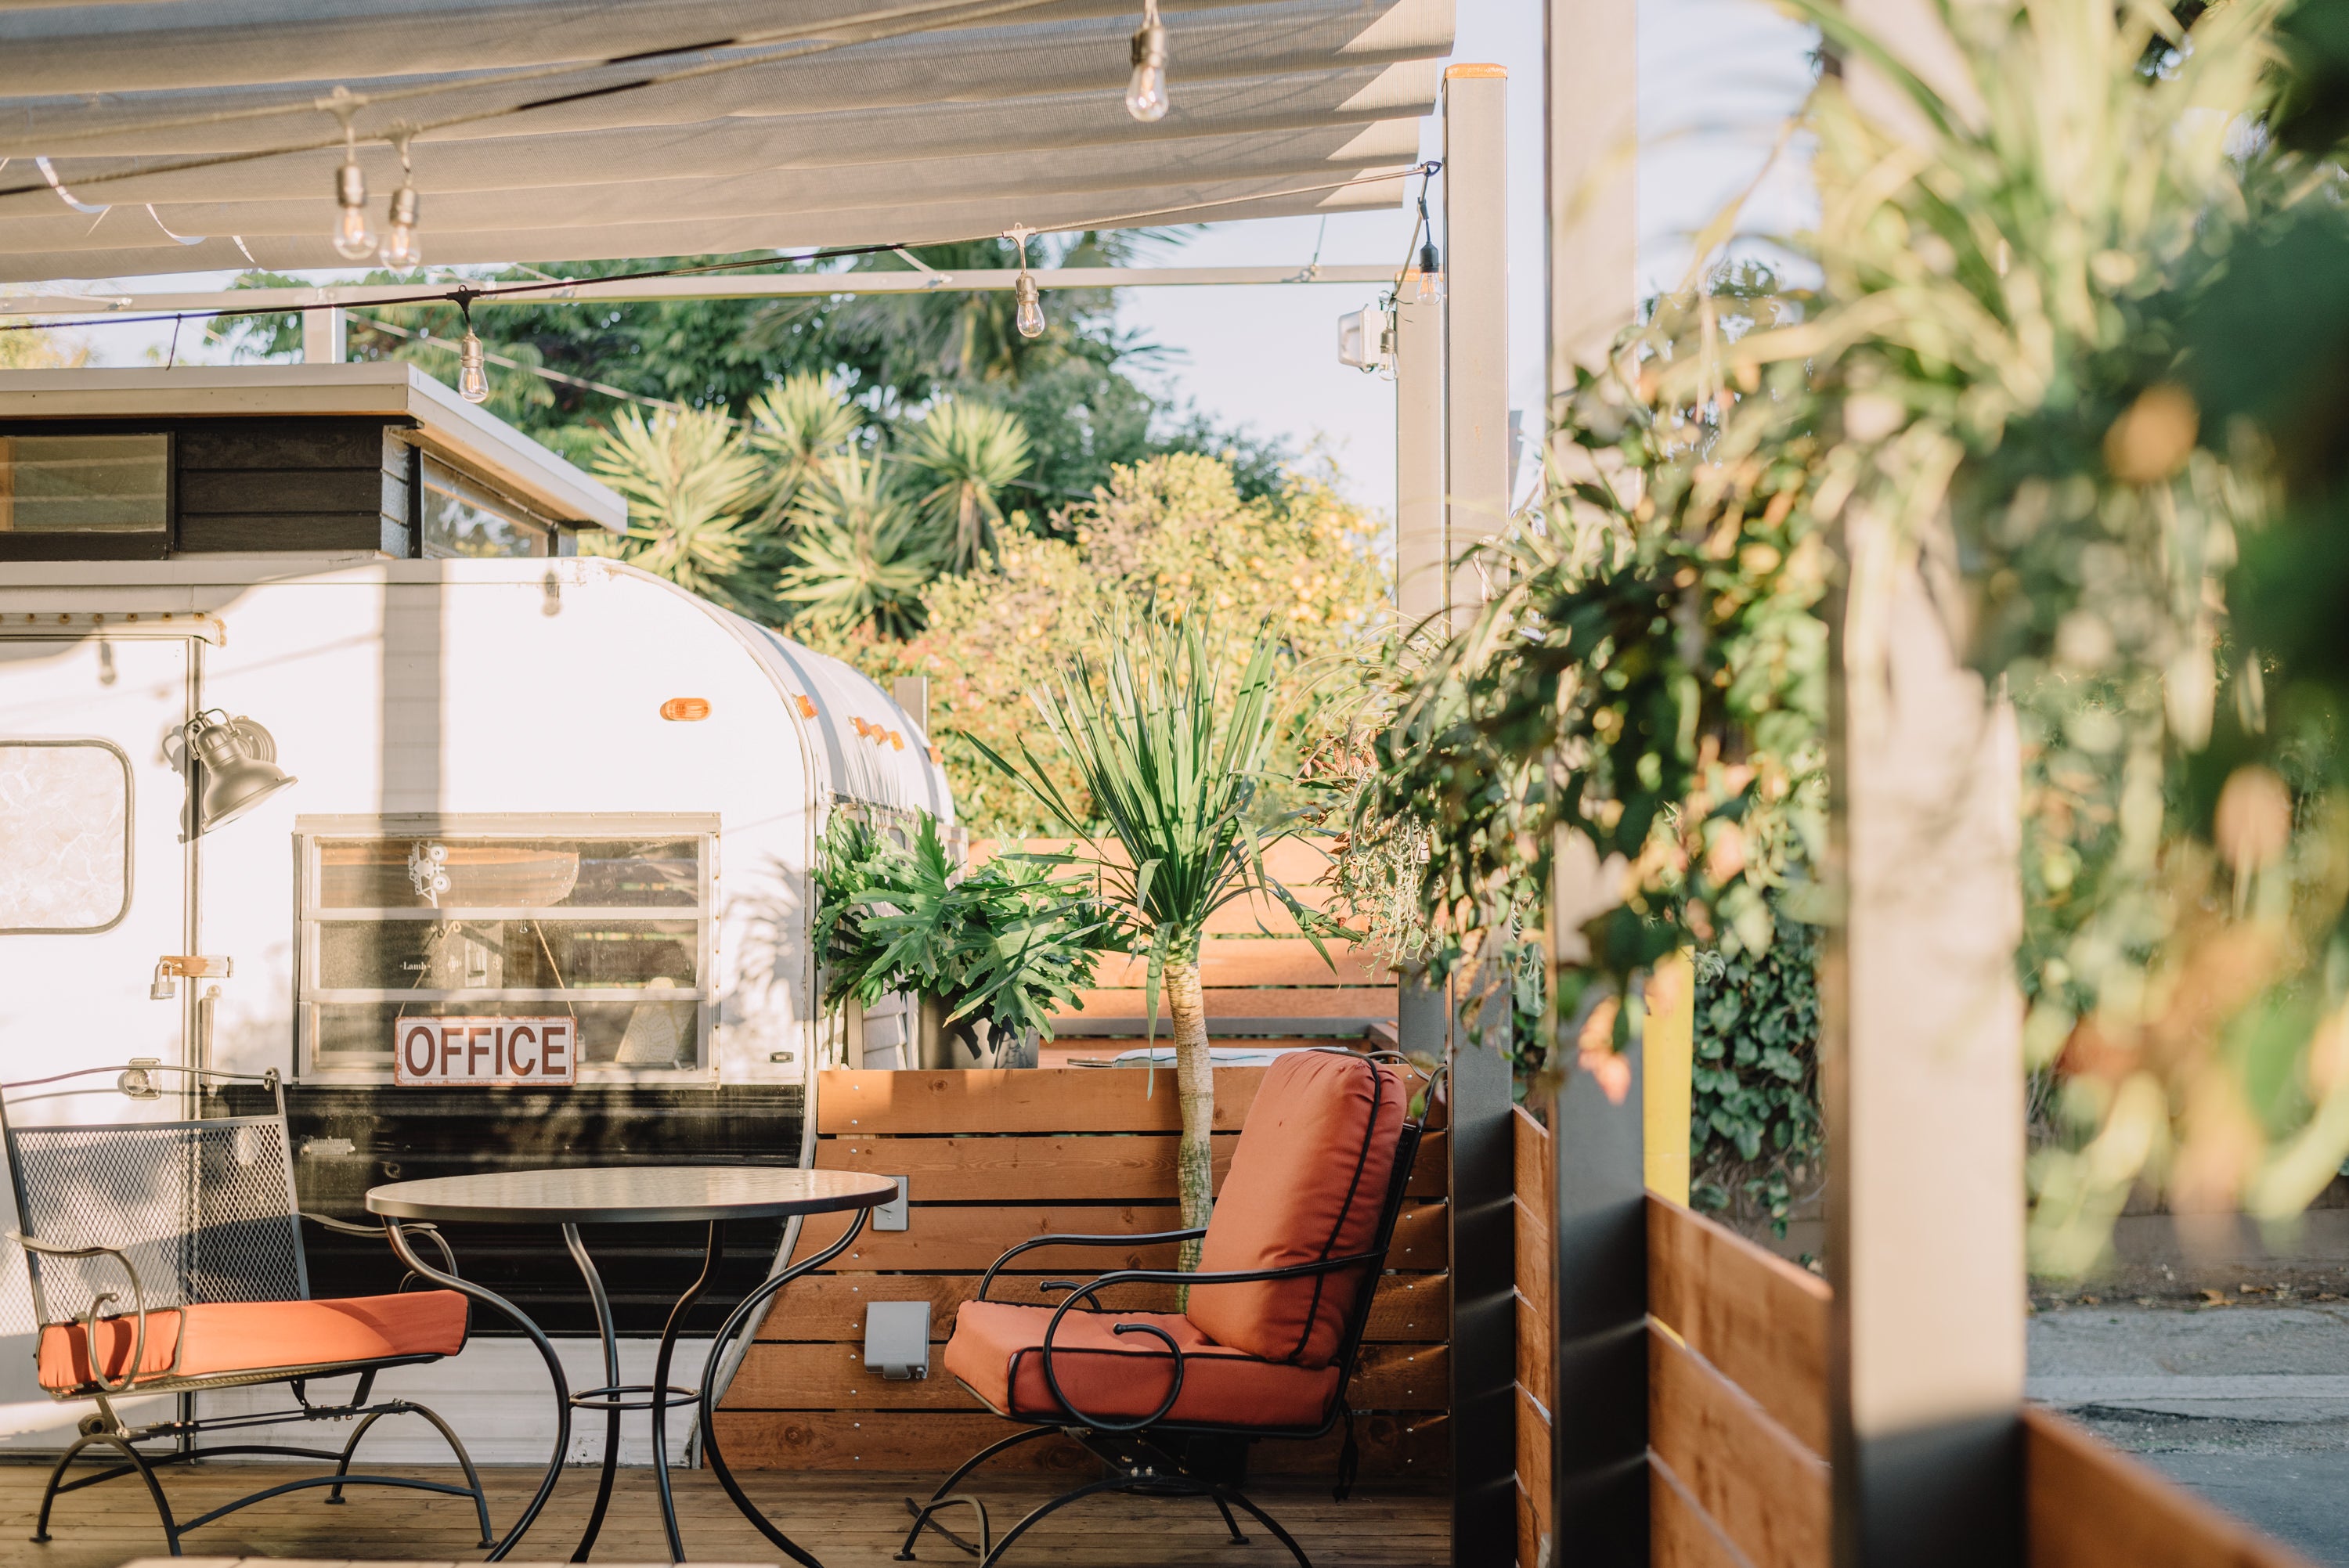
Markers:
<point>1011,944</point>
<point>1754,1129</point>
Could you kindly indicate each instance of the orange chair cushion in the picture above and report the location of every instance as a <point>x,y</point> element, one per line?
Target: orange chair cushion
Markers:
<point>998,1350</point>
<point>1307,1183</point>
<point>227,1338</point>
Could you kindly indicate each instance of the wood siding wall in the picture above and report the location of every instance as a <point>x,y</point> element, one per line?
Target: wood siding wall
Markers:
<point>292,484</point>
<point>1068,1150</point>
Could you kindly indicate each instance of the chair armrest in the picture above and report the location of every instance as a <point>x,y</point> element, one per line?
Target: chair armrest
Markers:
<point>1146,1238</point>
<point>344,1228</point>
<point>1225,1276</point>
<point>89,1318</point>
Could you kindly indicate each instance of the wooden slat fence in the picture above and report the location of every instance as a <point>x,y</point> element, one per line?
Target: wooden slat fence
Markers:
<point>1266,984</point>
<point>1738,1418</point>
<point>993,1158</point>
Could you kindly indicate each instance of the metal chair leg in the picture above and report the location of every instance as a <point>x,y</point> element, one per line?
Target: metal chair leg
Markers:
<point>921,1514</point>
<point>472,1476</point>
<point>342,1465</point>
<point>1110,1483</point>
<point>1229,1524</point>
<point>138,1462</point>
<point>1261,1517</point>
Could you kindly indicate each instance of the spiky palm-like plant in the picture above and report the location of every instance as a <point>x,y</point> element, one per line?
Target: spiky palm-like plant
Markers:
<point>688,484</point>
<point>1172,739</point>
<point>865,552</point>
<point>973,450</point>
<point>797,425</point>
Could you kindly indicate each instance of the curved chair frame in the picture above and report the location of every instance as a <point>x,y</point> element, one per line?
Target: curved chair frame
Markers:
<point>1138,1456</point>
<point>108,1437</point>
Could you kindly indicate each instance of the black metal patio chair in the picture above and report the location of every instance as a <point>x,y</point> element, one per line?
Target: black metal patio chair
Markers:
<point>1268,1340</point>
<point>196,1221</point>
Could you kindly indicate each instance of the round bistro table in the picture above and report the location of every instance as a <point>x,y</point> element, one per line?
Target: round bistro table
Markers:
<point>632,1195</point>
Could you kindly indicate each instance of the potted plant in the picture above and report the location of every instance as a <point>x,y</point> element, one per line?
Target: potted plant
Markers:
<point>1002,949</point>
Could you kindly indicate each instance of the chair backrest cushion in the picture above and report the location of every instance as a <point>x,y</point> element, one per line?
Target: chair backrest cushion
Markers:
<point>1307,1183</point>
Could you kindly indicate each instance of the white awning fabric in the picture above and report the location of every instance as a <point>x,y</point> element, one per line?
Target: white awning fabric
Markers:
<point>166,135</point>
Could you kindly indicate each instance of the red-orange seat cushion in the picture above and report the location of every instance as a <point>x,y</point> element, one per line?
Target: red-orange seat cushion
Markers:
<point>1307,1183</point>
<point>998,1350</point>
<point>227,1338</point>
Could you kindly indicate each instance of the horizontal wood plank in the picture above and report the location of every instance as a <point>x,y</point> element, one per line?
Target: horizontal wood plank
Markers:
<point>1248,1002</point>
<point>1531,1141</point>
<point>1753,1477</point>
<point>1031,1169</point>
<point>1020,1100</point>
<point>1679,1532</point>
<point>1533,1369</point>
<point>947,1239</point>
<point>1532,1540</point>
<point>937,1441</point>
<point>2089,1505</point>
<point>834,1377</point>
<point>1263,960</point>
<point>1758,1319</point>
<point>1412,1309</point>
<point>1534,1456</point>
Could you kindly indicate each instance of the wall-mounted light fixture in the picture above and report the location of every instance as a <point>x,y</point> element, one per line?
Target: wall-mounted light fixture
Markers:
<point>239,763</point>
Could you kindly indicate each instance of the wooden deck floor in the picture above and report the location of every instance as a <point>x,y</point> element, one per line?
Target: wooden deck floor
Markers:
<point>849,1522</point>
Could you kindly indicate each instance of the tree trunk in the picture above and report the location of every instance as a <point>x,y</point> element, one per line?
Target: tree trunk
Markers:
<point>1195,1083</point>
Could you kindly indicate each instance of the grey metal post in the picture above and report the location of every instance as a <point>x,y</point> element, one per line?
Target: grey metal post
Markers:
<point>1476,321</point>
<point>1422,590</point>
<point>322,335</point>
<point>1482,1226</point>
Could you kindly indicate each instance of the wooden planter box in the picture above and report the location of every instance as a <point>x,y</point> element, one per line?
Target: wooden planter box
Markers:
<point>995,1156</point>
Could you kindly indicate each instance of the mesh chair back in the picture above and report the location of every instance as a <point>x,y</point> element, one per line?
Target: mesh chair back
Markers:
<point>204,1210</point>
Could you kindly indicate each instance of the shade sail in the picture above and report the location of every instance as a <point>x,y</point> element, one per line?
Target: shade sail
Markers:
<point>162,135</point>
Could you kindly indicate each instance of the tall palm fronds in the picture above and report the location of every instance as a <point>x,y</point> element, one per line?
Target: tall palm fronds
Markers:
<point>865,552</point>
<point>1171,745</point>
<point>797,425</point>
<point>688,484</point>
<point>973,449</point>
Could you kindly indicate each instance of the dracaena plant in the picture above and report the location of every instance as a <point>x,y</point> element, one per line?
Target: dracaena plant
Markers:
<point>1171,737</point>
<point>1012,943</point>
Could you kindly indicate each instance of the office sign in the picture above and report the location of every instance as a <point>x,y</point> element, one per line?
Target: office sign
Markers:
<point>522,1052</point>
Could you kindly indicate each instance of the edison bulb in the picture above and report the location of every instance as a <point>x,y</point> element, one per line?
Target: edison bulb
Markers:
<point>1146,94</point>
<point>472,374</point>
<point>1030,317</point>
<point>1431,288</point>
<point>401,248</point>
<point>353,240</point>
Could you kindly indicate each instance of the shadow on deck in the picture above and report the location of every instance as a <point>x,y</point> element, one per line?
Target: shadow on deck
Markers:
<point>848,1521</point>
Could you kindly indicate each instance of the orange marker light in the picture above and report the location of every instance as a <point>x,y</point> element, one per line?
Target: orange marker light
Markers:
<point>896,740</point>
<point>685,709</point>
<point>807,705</point>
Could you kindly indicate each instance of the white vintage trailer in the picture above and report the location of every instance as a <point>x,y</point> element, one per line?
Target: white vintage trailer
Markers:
<point>524,785</point>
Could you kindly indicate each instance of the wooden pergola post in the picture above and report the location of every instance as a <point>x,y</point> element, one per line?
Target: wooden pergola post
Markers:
<point>1922,1059</point>
<point>1599,1291</point>
<point>1475,506</point>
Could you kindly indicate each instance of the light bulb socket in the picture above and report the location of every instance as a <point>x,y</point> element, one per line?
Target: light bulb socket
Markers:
<point>1028,316</point>
<point>1149,46</point>
<point>1431,265</point>
<point>350,185</point>
<point>405,206</point>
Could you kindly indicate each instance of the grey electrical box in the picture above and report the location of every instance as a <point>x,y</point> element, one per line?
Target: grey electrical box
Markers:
<point>891,1215</point>
<point>897,1339</point>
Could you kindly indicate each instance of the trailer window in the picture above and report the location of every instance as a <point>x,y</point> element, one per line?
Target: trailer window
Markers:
<point>84,484</point>
<point>65,823</point>
<point>613,932</point>
<point>463,517</point>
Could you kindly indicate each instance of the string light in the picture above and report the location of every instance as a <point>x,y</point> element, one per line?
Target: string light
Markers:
<point>472,374</point>
<point>1431,261</point>
<point>1146,94</point>
<point>401,248</point>
<point>354,241</point>
<point>1028,316</point>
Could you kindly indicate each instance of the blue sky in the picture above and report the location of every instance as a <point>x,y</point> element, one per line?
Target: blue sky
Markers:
<point>1717,78</point>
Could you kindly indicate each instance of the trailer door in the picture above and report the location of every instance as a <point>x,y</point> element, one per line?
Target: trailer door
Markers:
<point>93,892</point>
